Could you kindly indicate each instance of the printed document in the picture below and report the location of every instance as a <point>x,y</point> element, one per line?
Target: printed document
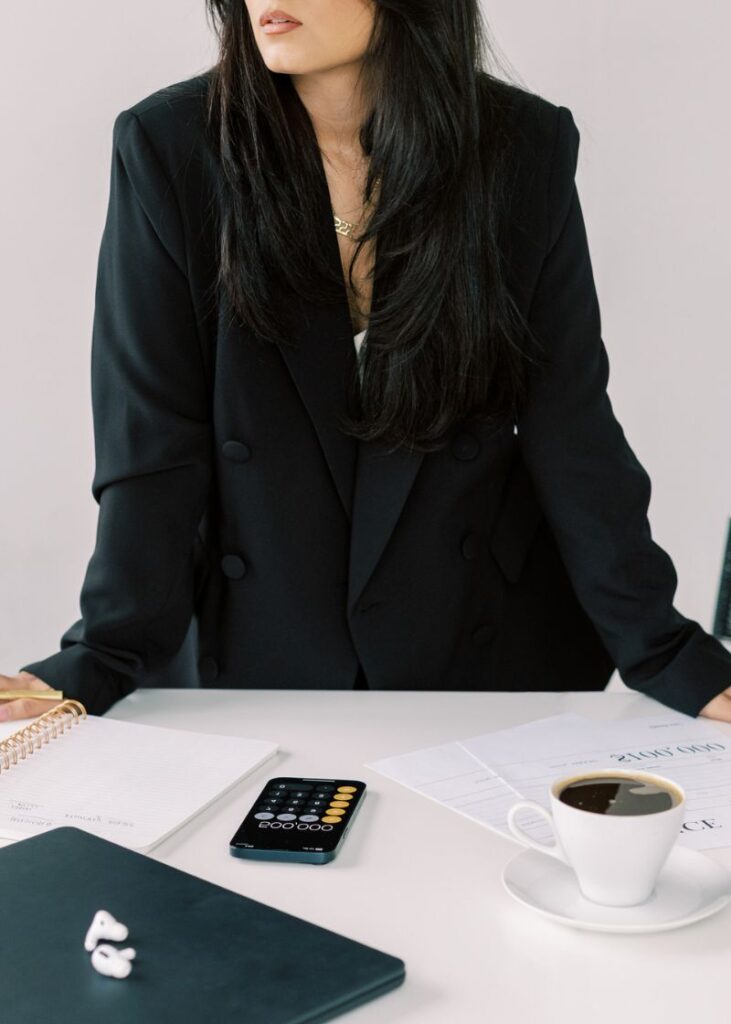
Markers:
<point>482,776</point>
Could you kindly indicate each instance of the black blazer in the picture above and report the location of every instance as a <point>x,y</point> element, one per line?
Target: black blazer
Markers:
<point>518,558</point>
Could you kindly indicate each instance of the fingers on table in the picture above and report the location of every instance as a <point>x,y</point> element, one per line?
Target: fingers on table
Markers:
<point>24,707</point>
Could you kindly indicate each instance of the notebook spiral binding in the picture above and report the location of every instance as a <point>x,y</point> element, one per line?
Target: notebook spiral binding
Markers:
<point>47,726</point>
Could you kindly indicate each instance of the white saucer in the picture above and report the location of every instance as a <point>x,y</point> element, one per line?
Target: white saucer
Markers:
<point>691,886</point>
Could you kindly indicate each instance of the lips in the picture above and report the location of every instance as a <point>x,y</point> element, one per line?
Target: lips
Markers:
<point>277,16</point>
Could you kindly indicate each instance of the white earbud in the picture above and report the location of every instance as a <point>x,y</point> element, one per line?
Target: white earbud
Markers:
<point>104,926</point>
<point>112,962</point>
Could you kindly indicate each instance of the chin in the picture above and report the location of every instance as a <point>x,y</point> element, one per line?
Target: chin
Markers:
<point>287,64</point>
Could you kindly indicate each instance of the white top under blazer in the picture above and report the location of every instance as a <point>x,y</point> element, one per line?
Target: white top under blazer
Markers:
<point>358,339</point>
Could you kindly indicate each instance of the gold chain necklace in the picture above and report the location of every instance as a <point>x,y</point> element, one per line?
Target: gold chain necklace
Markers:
<point>346,227</point>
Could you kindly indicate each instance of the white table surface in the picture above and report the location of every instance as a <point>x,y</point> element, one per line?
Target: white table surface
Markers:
<point>423,883</point>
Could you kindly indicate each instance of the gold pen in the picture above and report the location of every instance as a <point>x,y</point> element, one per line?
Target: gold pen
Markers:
<point>35,694</point>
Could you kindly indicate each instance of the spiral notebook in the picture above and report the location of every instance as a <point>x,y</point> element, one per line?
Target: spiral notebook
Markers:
<point>131,784</point>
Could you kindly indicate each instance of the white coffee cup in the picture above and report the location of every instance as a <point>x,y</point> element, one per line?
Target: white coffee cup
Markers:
<point>617,858</point>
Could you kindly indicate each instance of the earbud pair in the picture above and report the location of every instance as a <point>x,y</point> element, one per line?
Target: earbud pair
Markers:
<point>106,959</point>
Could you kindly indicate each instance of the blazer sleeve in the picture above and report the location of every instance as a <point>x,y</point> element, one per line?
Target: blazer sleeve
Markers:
<point>593,490</point>
<point>152,439</point>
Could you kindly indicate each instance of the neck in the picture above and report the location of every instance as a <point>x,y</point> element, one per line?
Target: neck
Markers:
<point>336,107</point>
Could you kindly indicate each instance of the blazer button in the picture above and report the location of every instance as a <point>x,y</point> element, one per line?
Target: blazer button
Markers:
<point>469,546</point>
<point>465,446</point>
<point>236,451</point>
<point>207,669</point>
<point>483,635</point>
<point>233,567</point>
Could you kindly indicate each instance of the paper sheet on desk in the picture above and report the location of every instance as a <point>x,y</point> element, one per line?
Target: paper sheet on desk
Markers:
<point>692,752</point>
<point>453,777</point>
<point>483,775</point>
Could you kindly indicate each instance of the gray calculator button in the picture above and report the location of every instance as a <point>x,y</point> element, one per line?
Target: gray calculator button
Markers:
<point>286,817</point>
<point>309,817</point>
<point>263,816</point>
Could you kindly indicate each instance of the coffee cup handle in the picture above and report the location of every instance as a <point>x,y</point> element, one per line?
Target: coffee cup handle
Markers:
<point>523,837</point>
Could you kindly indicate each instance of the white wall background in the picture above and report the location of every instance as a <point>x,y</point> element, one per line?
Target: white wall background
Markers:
<point>648,87</point>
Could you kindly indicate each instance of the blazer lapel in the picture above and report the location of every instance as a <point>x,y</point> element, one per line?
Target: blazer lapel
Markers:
<point>321,365</point>
<point>373,483</point>
<point>382,485</point>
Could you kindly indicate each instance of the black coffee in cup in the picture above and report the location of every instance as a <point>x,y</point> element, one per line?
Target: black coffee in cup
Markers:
<point>607,794</point>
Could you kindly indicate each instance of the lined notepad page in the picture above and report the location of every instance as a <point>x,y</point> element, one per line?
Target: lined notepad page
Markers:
<point>129,783</point>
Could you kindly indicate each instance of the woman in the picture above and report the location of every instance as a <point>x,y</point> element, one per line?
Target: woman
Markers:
<point>349,387</point>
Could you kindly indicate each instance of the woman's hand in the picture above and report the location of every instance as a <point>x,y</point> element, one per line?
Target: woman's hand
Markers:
<point>25,707</point>
<point>719,708</point>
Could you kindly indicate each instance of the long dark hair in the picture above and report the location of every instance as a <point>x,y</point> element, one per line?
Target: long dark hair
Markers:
<point>444,337</point>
